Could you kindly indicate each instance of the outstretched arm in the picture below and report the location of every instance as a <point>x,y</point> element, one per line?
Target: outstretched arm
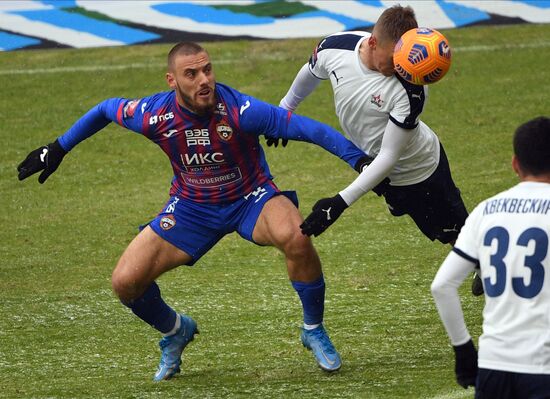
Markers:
<point>92,122</point>
<point>48,157</point>
<point>274,122</point>
<point>394,143</point>
<point>304,84</point>
<point>327,210</point>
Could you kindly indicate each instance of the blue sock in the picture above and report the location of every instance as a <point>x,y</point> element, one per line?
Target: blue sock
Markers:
<point>312,296</point>
<point>153,310</point>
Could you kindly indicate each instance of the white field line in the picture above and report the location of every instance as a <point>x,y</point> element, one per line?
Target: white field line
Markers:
<point>91,68</point>
<point>99,68</point>
<point>485,47</point>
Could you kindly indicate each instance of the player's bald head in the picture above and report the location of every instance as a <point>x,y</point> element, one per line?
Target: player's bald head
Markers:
<point>393,22</point>
<point>532,146</point>
<point>183,48</point>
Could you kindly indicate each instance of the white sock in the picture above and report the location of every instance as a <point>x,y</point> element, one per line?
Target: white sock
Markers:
<point>175,328</point>
<point>310,326</point>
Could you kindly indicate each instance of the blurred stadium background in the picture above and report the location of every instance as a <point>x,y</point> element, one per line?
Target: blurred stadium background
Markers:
<point>63,334</point>
<point>85,23</point>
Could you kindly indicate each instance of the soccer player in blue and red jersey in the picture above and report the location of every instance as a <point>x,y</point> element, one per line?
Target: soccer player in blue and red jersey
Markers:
<point>221,184</point>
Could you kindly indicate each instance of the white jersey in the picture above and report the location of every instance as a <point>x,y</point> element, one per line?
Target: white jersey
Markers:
<point>366,100</point>
<point>508,235</point>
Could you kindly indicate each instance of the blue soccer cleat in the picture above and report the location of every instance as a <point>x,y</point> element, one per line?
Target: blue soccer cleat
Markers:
<point>319,343</point>
<point>172,348</point>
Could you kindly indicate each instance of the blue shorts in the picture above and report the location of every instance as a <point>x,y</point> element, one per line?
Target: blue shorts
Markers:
<point>195,228</point>
<point>495,384</point>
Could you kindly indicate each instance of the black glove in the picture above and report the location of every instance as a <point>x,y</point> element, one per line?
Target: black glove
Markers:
<point>274,141</point>
<point>325,212</point>
<point>46,158</point>
<point>466,364</point>
<point>365,161</point>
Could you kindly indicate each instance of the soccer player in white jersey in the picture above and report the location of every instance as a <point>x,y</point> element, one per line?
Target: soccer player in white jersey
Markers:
<point>508,237</point>
<point>380,113</point>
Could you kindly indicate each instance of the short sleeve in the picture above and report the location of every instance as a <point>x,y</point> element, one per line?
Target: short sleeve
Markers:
<point>467,243</point>
<point>408,105</point>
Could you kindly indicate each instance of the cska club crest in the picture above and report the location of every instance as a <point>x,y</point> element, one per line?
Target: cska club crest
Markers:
<point>224,131</point>
<point>167,222</point>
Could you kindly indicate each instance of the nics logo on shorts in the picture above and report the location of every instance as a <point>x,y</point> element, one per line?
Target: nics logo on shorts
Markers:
<point>159,118</point>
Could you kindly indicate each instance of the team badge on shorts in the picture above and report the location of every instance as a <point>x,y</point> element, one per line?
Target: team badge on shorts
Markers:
<point>224,131</point>
<point>167,222</point>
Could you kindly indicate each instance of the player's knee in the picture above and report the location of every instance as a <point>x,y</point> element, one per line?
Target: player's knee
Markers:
<point>124,288</point>
<point>298,245</point>
<point>119,285</point>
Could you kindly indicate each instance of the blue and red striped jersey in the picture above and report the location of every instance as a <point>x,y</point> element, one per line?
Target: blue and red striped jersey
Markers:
<point>216,158</point>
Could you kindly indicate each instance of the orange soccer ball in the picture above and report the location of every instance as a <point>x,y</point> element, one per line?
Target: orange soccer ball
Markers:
<point>422,56</point>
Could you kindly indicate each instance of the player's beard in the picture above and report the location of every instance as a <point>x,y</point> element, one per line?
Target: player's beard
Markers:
<point>199,107</point>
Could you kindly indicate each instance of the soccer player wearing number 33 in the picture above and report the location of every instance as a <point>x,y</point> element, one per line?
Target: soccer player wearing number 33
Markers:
<point>222,184</point>
<point>380,113</point>
<point>508,237</point>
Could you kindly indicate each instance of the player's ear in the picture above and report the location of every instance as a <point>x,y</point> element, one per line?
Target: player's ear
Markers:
<point>516,166</point>
<point>371,41</point>
<point>171,80</point>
